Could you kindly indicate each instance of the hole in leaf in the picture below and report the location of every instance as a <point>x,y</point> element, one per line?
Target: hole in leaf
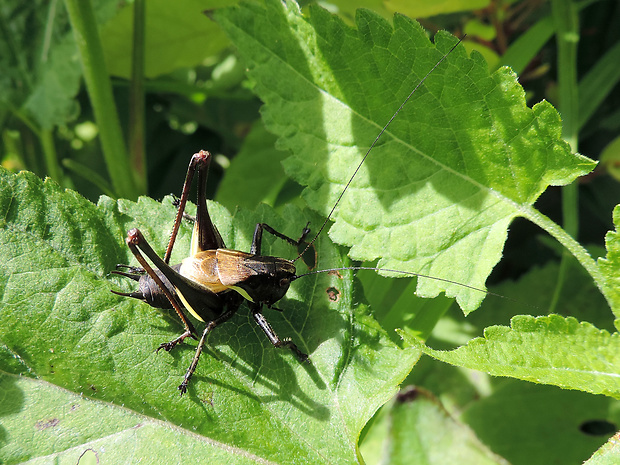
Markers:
<point>597,427</point>
<point>333,294</point>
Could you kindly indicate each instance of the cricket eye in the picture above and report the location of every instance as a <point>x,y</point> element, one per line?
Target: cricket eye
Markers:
<point>285,282</point>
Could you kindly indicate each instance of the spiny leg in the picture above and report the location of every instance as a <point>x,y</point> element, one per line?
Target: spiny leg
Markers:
<point>274,338</point>
<point>208,235</point>
<point>257,240</point>
<point>212,324</point>
<point>177,203</point>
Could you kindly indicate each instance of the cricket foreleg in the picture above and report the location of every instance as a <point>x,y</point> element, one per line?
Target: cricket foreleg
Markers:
<point>274,338</point>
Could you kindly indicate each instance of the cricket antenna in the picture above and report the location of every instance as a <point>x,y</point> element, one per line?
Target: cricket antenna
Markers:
<point>375,143</point>
<point>408,273</point>
<point>414,274</point>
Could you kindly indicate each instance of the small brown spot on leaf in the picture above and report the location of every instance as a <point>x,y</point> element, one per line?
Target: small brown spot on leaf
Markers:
<point>333,294</point>
<point>408,395</point>
<point>44,424</point>
<point>335,273</point>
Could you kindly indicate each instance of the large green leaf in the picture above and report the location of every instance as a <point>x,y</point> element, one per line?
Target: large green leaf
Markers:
<point>60,324</point>
<point>415,428</point>
<point>175,37</point>
<point>549,349</point>
<point>463,158</point>
<point>514,416</point>
<point>610,267</point>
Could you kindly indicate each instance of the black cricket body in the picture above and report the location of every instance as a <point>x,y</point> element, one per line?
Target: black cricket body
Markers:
<point>213,281</point>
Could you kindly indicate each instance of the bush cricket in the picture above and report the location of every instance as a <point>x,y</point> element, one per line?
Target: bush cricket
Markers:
<point>213,281</point>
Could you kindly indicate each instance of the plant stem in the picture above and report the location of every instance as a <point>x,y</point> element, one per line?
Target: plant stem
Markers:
<point>567,36</point>
<point>46,139</point>
<point>84,26</point>
<point>136,98</point>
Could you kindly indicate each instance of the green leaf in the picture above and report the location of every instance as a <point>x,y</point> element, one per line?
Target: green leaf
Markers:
<point>59,323</point>
<point>609,454</point>
<point>610,267</point>
<point>513,418</point>
<point>395,305</point>
<point>458,164</point>
<point>255,174</point>
<point>415,428</point>
<point>549,349</point>
<point>176,37</point>
<point>67,426</point>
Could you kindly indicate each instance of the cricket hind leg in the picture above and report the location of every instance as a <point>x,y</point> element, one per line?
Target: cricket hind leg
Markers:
<point>136,242</point>
<point>176,202</point>
<point>207,235</point>
<point>274,338</point>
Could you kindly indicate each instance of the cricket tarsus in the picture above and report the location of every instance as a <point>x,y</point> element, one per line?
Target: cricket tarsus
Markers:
<point>168,346</point>
<point>134,270</point>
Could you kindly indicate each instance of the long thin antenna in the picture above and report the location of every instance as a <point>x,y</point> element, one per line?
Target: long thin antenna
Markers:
<point>375,143</point>
<point>418,275</point>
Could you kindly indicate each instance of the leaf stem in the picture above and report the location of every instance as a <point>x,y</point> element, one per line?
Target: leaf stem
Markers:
<point>574,247</point>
